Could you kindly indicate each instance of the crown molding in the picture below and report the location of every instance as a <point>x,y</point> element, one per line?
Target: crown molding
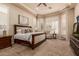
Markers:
<point>25,8</point>
<point>72,6</point>
<point>19,5</point>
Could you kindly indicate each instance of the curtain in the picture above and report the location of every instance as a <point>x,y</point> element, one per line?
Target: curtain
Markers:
<point>52,24</point>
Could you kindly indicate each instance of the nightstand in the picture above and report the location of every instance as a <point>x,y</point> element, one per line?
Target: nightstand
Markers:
<point>5,41</point>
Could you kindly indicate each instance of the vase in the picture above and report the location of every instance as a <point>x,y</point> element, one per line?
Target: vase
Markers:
<point>4,33</point>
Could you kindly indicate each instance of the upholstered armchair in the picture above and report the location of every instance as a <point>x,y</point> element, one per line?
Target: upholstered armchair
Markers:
<point>48,35</point>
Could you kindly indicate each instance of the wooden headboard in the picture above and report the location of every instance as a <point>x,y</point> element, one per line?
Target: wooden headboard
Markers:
<point>15,27</point>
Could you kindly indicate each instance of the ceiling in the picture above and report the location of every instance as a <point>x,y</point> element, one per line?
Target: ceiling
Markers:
<point>42,10</point>
<point>45,10</point>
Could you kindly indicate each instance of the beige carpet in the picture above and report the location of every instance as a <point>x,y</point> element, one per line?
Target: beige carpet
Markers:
<point>50,47</point>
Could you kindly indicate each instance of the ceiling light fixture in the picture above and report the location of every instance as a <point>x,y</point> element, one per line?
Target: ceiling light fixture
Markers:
<point>42,6</point>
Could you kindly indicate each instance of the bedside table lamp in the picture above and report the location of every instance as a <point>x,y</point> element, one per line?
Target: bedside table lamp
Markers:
<point>54,33</point>
<point>4,30</point>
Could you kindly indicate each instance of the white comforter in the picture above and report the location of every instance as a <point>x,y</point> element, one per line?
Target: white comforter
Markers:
<point>25,36</point>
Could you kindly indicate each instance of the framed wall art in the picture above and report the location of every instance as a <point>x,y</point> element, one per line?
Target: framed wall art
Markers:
<point>23,20</point>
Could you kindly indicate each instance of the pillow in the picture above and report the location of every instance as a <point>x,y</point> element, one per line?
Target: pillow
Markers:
<point>31,30</point>
<point>19,31</point>
<point>26,31</point>
<point>23,30</point>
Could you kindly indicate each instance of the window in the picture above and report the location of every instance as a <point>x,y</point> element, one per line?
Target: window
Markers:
<point>55,26</point>
<point>52,24</point>
<point>4,17</point>
<point>3,10</point>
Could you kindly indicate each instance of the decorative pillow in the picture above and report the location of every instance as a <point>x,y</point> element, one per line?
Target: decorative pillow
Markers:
<point>19,31</point>
<point>23,30</point>
<point>26,31</point>
<point>30,30</point>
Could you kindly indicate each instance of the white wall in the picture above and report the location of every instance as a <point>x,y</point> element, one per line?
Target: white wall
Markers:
<point>13,17</point>
<point>70,21</point>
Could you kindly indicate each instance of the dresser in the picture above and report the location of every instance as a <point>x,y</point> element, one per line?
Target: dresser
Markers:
<point>74,39</point>
<point>5,41</point>
<point>74,43</point>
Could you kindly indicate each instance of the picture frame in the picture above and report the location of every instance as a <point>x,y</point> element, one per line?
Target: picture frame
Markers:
<point>23,20</point>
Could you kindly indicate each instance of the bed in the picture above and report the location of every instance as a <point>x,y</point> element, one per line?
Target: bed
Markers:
<point>31,39</point>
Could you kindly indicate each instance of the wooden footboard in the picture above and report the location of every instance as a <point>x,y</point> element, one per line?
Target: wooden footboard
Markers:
<point>31,44</point>
<point>34,39</point>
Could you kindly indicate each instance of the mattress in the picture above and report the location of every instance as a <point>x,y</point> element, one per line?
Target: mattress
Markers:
<point>28,36</point>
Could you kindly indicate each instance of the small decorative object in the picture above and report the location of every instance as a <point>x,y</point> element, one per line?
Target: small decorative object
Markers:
<point>4,31</point>
<point>77,19</point>
<point>23,20</point>
<point>54,35</point>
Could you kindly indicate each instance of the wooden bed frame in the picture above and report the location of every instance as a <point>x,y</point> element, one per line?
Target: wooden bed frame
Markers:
<point>32,45</point>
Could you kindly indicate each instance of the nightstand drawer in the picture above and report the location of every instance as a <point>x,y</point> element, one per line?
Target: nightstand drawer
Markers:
<point>5,41</point>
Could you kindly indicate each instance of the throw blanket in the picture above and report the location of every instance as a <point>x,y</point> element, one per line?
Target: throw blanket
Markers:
<point>25,36</point>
